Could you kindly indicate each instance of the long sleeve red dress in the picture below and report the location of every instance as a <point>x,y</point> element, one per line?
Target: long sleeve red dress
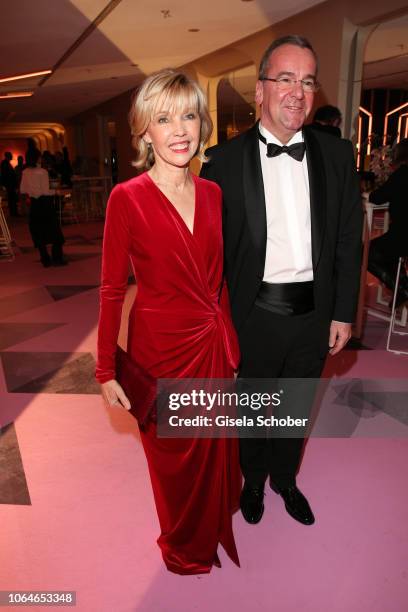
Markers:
<point>178,328</point>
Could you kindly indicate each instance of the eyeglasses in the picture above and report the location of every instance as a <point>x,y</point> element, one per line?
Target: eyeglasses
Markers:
<point>285,84</point>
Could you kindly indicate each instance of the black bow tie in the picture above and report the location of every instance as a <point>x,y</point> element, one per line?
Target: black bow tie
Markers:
<point>296,150</point>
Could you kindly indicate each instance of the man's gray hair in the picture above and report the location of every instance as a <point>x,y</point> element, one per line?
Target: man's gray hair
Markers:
<point>292,39</point>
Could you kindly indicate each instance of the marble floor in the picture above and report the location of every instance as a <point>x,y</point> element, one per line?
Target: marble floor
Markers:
<point>76,508</point>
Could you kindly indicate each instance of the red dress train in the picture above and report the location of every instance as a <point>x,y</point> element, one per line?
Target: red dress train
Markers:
<point>178,328</point>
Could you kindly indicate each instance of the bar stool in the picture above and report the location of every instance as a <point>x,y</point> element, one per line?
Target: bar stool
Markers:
<point>382,225</point>
<point>402,264</point>
<point>67,210</point>
<point>96,194</point>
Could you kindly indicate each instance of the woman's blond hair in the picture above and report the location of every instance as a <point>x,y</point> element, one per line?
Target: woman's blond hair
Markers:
<point>175,91</point>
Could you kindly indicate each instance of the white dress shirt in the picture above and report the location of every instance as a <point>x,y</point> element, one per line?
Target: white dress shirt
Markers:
<point>35,182</point>
<point>287,199</point>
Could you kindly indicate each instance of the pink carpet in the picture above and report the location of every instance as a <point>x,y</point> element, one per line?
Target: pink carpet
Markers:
<point>88,522</point>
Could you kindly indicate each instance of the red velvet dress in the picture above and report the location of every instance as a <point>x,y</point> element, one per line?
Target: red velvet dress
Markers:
<point>177,329</point>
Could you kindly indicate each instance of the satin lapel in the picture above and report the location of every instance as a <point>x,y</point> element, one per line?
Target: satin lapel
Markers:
<point>254,195</point>
<point>318,192</point>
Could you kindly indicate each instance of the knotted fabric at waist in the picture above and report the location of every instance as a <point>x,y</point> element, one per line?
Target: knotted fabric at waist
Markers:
<point>228,333</point>
<point>193,329</point>
<point>287,299</point>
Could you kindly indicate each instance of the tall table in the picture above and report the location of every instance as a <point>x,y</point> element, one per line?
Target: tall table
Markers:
<point>91,193</point>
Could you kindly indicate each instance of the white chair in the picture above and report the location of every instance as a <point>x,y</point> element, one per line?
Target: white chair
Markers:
<point>402,262</point>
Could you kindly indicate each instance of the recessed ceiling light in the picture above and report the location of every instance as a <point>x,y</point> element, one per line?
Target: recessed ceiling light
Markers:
<point>28,75</point>
<point>194,30</point>
<point>16,94</point>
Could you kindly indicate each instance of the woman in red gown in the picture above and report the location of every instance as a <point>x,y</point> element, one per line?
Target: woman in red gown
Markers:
<point>167,222</point>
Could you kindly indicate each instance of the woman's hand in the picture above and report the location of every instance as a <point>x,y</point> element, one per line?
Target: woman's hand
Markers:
<point>113,394</point>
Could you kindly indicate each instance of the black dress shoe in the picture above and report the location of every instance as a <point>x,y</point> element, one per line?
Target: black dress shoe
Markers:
<point>296,504</point>
<point>251,503</point>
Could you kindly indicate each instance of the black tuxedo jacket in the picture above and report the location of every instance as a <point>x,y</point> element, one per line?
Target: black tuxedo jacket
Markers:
<point>336,221</point>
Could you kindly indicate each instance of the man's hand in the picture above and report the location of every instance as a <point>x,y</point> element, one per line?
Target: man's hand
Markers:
<point>340,334</point>
<point>113,394</point>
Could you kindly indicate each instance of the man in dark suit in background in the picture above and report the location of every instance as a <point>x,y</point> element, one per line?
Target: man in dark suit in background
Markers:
<point>292,238</point>
<point>9,181</point>
<point>327,119</point>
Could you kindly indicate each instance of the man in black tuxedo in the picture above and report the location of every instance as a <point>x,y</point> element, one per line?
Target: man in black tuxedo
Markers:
<point>292,239</point>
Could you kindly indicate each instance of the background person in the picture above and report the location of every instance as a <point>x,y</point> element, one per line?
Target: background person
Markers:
<point>328,119</point>
<point>43,220</point>
<point>19,169</point>
<point>9,182</point>
<point>386,249</point>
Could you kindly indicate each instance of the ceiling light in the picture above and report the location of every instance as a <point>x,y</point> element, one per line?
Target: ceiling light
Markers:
<point>16,94</point>
<point>28,75</point>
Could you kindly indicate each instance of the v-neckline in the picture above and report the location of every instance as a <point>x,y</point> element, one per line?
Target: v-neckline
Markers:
<point>176,212</point>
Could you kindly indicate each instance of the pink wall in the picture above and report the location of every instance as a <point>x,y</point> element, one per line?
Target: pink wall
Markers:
<point>16,146</point>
